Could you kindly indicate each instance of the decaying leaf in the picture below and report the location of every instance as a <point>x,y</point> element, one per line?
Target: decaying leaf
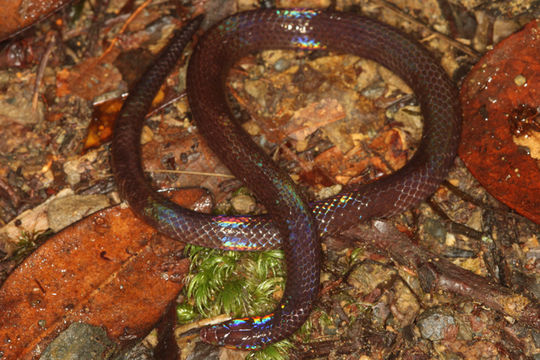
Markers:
<point>109,270</point>
<point>495,97</point>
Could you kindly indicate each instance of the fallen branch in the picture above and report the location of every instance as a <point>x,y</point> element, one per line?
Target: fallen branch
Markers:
<point>436,273</point>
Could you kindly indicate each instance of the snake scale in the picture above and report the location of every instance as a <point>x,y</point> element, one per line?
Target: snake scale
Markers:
<point>292,222</point>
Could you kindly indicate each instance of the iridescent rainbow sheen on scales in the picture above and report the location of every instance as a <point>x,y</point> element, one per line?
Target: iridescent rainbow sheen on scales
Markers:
<point>297,14</point>
<point>257,323</point>
<point>291,224</point>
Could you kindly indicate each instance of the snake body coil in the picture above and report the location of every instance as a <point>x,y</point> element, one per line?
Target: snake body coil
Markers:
<point>290,222</point>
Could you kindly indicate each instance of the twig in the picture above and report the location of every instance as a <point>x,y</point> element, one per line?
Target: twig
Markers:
<point>454,226</point>
<point>97,22</point>
<point>467,50</point>
<point>437,273</point>
<point>200,323</point>
<point>320,349</point>
<point>165,104</point>
<point>14,199</point>
<point>124,27</point>
<point>191,173</point>
<point>479,203</point>
<point>41,71</point>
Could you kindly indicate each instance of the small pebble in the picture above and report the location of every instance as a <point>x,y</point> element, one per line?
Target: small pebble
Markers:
<point>243,204</point>
<point>520,80</point>
<point>282,65</point>
<point>434,325</point>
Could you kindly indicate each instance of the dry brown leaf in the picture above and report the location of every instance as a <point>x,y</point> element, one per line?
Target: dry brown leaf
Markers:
<point>109,269</point>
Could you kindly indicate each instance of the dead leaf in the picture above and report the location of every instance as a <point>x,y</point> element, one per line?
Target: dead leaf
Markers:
<point>17,15</point>
<point>88,79</point>
<point>101,125</point>
<point>506,80</point>
<point>109,269</point>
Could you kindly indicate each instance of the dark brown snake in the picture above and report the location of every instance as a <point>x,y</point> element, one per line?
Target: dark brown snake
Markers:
<point>292,223</point>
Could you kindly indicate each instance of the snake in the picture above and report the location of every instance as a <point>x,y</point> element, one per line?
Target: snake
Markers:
<point>292,222</point>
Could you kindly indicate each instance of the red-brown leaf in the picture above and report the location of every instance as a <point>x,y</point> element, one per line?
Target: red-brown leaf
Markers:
<point>110,270</point>
<point>16,15</point>
<point>492,96</point>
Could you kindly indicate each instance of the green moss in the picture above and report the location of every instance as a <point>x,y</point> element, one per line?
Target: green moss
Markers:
<point>276,351</point>
<point>236,283</point>
<point>28,242</point>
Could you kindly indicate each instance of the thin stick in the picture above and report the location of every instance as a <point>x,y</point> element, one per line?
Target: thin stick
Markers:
<point>124,27</point>
<point>41,72</point>
<point>191,173</point>
<point>467,50</point>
